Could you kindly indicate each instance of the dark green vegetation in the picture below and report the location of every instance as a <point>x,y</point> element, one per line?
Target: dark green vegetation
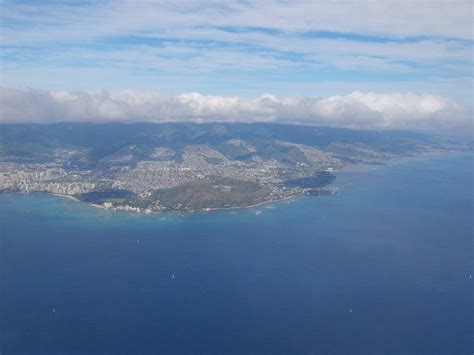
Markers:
<point>109,195</point>
<point>318,180</point>
<point>205,193</point>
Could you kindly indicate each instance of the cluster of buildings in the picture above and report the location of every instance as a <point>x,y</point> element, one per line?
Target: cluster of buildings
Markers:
<point>165,169</point>
<point>16,177</point>
<point>201,161</point>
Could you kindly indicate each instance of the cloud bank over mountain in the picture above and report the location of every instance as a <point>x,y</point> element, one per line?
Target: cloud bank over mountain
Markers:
<point>356,110</point>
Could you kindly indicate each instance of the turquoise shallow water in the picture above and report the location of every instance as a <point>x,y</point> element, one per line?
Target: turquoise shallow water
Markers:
<point>381,267</point>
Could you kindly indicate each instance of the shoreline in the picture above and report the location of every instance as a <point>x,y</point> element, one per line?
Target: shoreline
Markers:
<point>205,210</point>
<point>77,200</point>
<point>398,160</point>
<point>343,169</point>
<point>242,207</point>
<point>214,209</point>
<point>62,195</point>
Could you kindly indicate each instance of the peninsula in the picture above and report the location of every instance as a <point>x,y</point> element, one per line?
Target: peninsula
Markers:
<point>145,167</point>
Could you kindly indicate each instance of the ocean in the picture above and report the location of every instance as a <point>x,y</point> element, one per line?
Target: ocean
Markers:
<point>384,266</point>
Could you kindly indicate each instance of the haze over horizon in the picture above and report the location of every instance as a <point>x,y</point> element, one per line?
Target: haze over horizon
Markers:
<point>373,65</point>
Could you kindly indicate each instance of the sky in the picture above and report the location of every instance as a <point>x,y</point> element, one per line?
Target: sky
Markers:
<point>362,64</point>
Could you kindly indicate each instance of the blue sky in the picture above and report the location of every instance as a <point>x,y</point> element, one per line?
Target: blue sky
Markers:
<point>240,48</point>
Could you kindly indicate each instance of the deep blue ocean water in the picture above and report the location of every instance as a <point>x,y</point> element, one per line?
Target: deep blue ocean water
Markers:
<point>382,267</point>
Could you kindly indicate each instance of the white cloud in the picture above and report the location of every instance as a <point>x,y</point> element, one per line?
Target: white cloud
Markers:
<point>55,21</point>
<point>356,110</point>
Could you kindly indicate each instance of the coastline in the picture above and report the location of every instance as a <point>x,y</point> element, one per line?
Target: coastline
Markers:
<point>242,207</point>
<point>399,160</point>
<point>62,195</point>
<point>343,169</point>
<point>76,199</point>
<point>214,209</point>
<point>204,210</point>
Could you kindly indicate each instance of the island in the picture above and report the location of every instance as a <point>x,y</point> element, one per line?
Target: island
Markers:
<point>145,167</point>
